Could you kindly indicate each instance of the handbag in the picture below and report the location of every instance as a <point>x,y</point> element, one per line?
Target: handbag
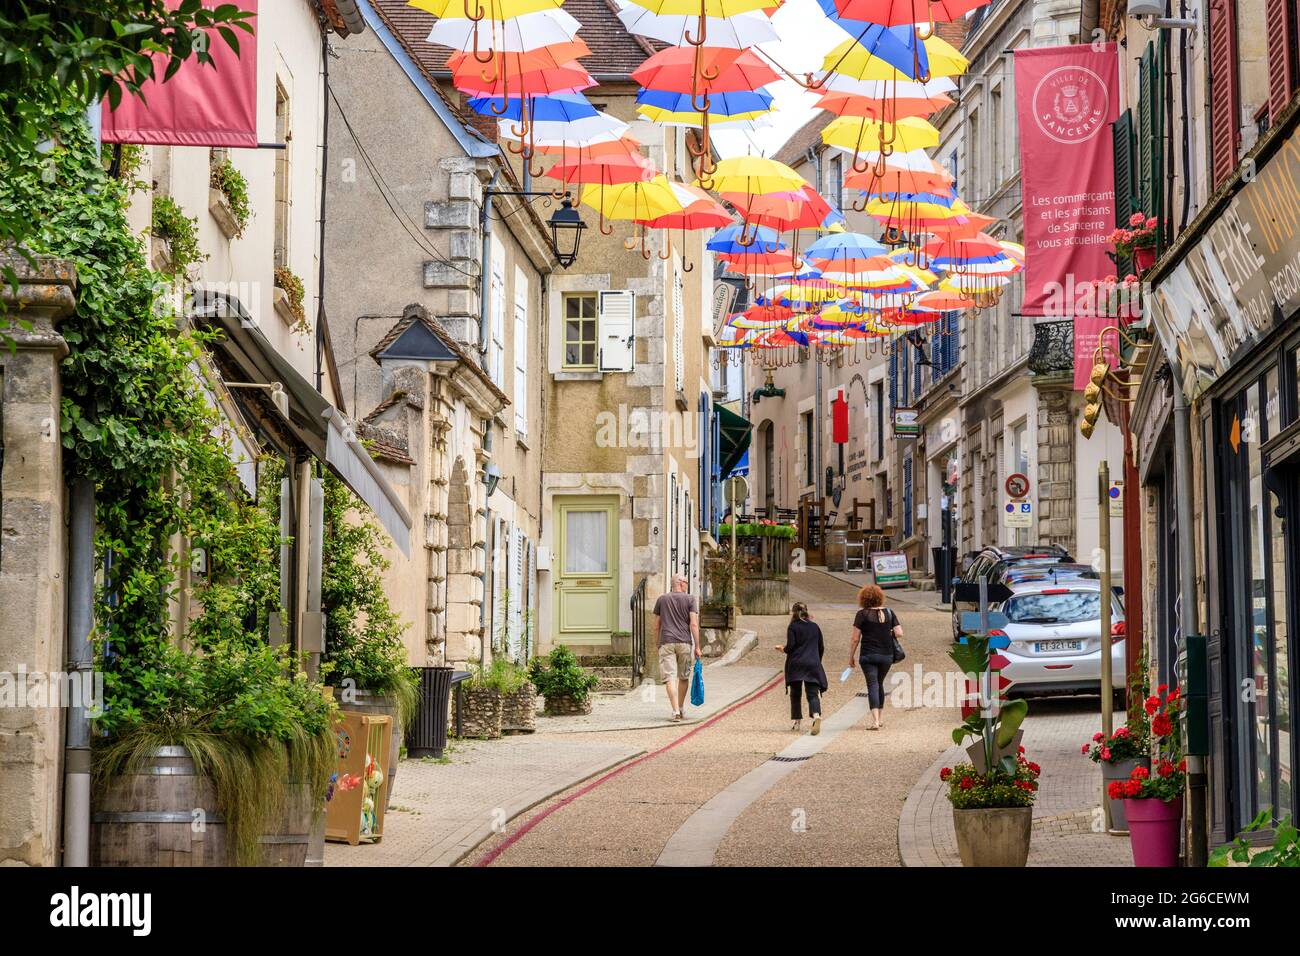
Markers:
<point>899,653</point>
<point>697,684</point>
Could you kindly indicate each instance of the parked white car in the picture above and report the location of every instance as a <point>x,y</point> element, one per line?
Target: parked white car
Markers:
<point>1055,632</point>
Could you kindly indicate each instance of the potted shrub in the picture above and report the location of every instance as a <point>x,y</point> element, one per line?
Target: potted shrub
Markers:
<point>992,797</point>
<point>228,198</point>
<point>1285,850</point>
<point>1125,749</point>
<point>992,813</point>
<point>480,702</point>
<point>1153,798</point>
<point>562,681</point>
<point>518,697</point>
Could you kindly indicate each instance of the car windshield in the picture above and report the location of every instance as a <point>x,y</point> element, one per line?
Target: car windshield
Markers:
<point>1065,607</point>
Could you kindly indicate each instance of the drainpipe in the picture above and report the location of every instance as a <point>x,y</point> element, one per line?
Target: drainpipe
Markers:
<point>819,424</point>
<point>485,227</point>
<point>1196,776</point>
<point>80,665</point>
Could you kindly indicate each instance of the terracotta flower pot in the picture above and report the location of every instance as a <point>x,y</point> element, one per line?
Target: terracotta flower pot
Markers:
<point>993,837</point>
<point>1153,829</point>
<point>1120,770</point>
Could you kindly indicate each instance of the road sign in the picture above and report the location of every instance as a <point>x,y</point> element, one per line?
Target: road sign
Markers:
<point>736,490</point>
<point>970,591</point>
<point>1018,514</point>
<point>1017,486</point>
<point>971,623</point>
<point>1116,496</point>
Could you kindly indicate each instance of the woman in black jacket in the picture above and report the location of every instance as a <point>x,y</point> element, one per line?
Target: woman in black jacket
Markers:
<point>803,650</point>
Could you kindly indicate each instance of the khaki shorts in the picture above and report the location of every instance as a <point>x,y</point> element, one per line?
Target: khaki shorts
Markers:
<point>675,661</point>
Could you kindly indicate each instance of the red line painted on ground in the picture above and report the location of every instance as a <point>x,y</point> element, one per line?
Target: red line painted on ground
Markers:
<point>539,817</point>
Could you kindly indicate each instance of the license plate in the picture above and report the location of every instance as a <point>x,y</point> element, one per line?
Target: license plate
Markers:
<point>1049,647</point>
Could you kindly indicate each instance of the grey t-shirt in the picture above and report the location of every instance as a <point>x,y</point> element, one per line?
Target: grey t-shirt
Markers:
<point>674,610</point>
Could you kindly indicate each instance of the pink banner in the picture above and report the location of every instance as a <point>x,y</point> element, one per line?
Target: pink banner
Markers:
<point>1066,100</point>
<point>212,104</point>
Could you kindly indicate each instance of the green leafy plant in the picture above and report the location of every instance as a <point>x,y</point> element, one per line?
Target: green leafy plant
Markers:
<point>136,421</point>
<point>179,230</point>
<point>1285,850</point>
<point>230,182</point>
<point>559,675</point>
<point>293,289</point>
<point>56,57</point>
<point>1168,776</point>
<point>1134,738</point>
<point>968,789</point>
<point>759,530</point>
<point>501,675</point>
<point>719,570</point>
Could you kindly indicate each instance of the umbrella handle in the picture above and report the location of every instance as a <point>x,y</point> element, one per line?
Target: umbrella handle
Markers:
<point>697,106</point>
<point>686,266</point>
<point>863,208</point>
<point>482,11</point>
<point>491,54</point>
<point>668,248</point>
<point>703,26</point>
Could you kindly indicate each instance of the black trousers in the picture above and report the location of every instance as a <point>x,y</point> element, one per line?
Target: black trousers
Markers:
<point>814,693</point>
<point>875,667</point>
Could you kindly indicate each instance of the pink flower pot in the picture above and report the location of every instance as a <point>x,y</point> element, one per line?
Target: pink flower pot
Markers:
<point>1144,258</point>
<point>1153,828</point>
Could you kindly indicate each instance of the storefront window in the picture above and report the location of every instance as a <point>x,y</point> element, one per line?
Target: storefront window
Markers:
<point>1258,602</point>
<point>1281,681</point>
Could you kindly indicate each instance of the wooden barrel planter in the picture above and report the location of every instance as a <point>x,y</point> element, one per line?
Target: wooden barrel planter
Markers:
<point>151,817</point>
<point>368,702</point>
<point>285,839</point>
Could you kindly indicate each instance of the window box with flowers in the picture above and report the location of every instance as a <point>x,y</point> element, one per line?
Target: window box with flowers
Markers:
<point>1126,749</point>
<point>1153,797</point>
<point>228,199</point>
<point>289,294</point>
<point>1121,298</point>
<point>1138,241</point>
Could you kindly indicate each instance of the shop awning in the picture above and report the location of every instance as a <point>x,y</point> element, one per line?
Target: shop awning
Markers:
<point>311,420</point>
<point>734,434</point>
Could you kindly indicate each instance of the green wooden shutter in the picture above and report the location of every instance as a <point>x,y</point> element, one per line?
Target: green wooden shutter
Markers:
<point>1125,180</point>
<point>1151,128</point>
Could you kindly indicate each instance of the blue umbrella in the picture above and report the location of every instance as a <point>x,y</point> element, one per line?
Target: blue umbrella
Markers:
<point>558,107</point>
<point>844,245</point>
<point>727,240</point>
<point>720,104</point>
<point>897,46</point>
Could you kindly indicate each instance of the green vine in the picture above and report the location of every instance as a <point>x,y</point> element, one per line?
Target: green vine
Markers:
<point>179,230</point>
<point>137,422</point>
<point>230,182</point>
<point>292,286</point>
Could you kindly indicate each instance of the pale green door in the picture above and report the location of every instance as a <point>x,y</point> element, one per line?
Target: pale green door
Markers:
<point>586,587</point>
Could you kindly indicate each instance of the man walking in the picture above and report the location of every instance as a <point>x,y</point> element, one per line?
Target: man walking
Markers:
<point>677,632</point>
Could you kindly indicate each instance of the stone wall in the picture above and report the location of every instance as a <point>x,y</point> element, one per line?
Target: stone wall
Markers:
<point>33,560</point>
<point>1057,508</point>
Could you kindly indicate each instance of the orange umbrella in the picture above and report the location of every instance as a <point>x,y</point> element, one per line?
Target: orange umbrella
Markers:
<point>516,62</point>
<point>885,110</point>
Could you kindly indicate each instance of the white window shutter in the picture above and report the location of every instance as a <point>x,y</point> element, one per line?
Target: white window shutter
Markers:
<point>679,373</point>
<point>617,335</point>
<point>497,353</point>
<point>521,352</point>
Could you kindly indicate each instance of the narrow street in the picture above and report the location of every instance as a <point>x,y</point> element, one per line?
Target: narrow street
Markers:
<point>838,807</point>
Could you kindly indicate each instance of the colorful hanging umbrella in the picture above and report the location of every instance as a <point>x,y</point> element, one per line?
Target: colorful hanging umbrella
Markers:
<point>803,208</point>
<point>609,169</point>
<point>562,107</point>
<point>667,106</point>
<point>938,57</point>
<point>559,55</point>
<point>739,31</point>
<point>475,10</point>
<point>888,109</point>
<point>525,32</point>
<point>715,70</point>
<point>699,211</point>
<point>600,128</point>
<point>735,240</point>
<point>633,200</point>
<point>899,12</point>
<point>712,9</point>
<point>504,86</point>
<point>754,175</point>
<point>858,134</point>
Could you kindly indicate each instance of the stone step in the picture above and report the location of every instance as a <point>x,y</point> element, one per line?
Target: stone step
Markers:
<point>606,660</point>
<point>612,684</point>
<point>615,671</point>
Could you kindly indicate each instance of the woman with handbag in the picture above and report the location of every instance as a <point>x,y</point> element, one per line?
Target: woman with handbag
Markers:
<point>803,649</point>
<point>877,629</point>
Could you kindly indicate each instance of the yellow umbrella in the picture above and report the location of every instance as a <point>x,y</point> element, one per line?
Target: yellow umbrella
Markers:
<point>859,134</point>
<point>754,175</point>
<point>850,58</point>
<point>636,200</point>
<point>669,118</point>
<point>483,9</point>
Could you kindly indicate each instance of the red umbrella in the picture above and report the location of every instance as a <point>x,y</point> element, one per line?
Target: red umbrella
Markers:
<point>566,79</point>
<point>717,70</point>
<point>608,167</point>
<point>894,13</point>
<point>514,63</point>
<point>801,209</point>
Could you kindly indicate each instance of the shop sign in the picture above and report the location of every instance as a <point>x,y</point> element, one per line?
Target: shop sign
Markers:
<point>906,422</point>
<point>890,568</point>
<point>1241,277</point>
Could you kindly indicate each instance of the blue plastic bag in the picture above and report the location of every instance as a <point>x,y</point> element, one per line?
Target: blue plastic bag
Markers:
<point>697,684</point>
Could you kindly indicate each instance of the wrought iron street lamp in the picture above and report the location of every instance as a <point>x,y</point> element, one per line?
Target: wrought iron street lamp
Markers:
<point>565,223</point>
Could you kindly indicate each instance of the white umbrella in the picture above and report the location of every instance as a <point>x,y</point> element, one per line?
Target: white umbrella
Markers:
<point>889,89</point>
<point>738,32</point>
<point>601,128</point>
<point>517,35</point>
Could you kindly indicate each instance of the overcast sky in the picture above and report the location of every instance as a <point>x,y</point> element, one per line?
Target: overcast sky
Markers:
<point>806,37</point>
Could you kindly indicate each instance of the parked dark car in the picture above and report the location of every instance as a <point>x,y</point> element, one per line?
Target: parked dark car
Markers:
<point>991,563</point>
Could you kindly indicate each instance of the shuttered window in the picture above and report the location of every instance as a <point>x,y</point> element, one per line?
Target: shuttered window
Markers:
<point>679,360</point>
<point>497,348</point>
<point>893,375</point>
<point>1225,96</point>
<point>521,352</point>
<point>1126,198</point>
<point>1281,17</point>
<point>617,331</point>
<point>1151,127</point>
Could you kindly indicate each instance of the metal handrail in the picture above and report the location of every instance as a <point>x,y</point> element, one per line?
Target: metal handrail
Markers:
<point>638,631</point>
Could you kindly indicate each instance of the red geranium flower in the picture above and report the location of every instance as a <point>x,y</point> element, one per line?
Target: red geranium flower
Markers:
<point>1161,725</point>
<point>966,783</point>
<point>1140,773</point>
<point>1105,753</point>
<point>1035,769</point>
<point>1122,732</point>
<point>1098,736</point>
<point>945,773</point>
<point>1152,704</point>
<point>1083,749</point>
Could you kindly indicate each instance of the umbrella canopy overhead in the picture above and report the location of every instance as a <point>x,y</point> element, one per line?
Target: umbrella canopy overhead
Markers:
<point>525,32</point>
<point>634,200</point>
<point>739,31</point>
<point>483,9</point>
<point>704,70</point>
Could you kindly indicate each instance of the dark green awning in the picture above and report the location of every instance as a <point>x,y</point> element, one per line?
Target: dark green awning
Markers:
<point>734,433</point>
